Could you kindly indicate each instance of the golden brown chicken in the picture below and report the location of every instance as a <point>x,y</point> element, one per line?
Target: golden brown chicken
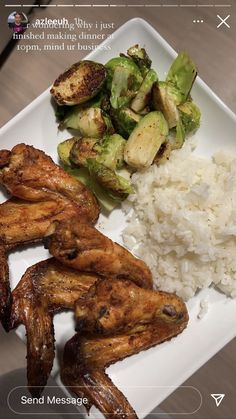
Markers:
<point>23,222</point>
<point>82,247</point>
<point>111,307</point>
<point>45,288</point>
<point>29,174</point>
<point>87,356</point>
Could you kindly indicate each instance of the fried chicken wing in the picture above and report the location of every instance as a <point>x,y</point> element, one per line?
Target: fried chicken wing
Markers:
<point>29,174</point>
<point>82,247</point>
<point>23,222</point>
<point>111,307</point>
<point>45,288</point>
<point>5,292</point>
<point>86,357</point>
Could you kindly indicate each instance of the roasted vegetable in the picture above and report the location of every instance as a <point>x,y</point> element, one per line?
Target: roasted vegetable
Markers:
<point>64,149</point>
<point>143,96</point>
<point>141,58</point>
<point>145,140</point>
<point>190,116</point>
<point>83,150</point>
<point>163,153</point>
<point>111,151</point>
<point>166,98</point>
<point>124,79</point>
<point>78,84</point>
<point>182,74</point>
<point>90,122</point>
<point>116,185</point>
<point>124,121</point>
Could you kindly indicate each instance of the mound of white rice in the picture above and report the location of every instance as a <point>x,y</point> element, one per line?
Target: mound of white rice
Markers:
<point>183,222</point>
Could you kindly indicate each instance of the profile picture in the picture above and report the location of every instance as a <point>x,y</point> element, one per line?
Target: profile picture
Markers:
<point>17,21</point>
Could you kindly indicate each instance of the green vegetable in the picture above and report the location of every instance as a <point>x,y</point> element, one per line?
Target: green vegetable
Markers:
<point>106,201</point>
<point>124,79</point>
<point>90,122</point>
<point>142,98</point>
<point>190,115</point>
<point>141,58</point>
<point>115,185</point>
<point>64,149</point>
<point>182,74</point>
<point>166,98</point>
<point>145,140</point>
<point>124,121</point>
<point>111,152</point>
<point>83,149</point>
<point>78,84</point>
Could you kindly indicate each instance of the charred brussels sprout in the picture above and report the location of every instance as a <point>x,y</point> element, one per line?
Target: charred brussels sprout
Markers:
<point>78,84</point>
<point>90,122</point>
<point>117,186</point>
<point>182,74</point>
<point>111,151</point>
<point>143,96</point>
<point>124,79</point>
<point>166,98</point>
<point>64,149</point>
<point>124,121</point>
<point>141,58</point>
<point>83,149</point>
<point>145,140</point>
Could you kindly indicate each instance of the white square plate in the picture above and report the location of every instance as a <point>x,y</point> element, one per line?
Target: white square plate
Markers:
<point>168,365</point>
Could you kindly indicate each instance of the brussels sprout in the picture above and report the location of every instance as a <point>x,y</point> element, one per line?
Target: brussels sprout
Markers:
<point>126,63</point>
<point>163,153</point>
<point>64,149</point>
<point>145,140</point>
<point>116,185</point>
<point>143,96</point>
<point>124,121</point>
<point>78,84</point>
<point>111,151</point>
<point>182,74</point>
<point>90,122</point>
<point>141,58</point>
<point>166,98</point>
<point>190,115</point>
<point>83,149</point>
<point>105,200</point>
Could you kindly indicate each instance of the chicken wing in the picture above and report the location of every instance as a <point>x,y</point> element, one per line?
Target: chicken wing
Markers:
<point>45,288</point>
<point>29,174</point>
<point>23,222</point>
<point>111,307</point>
<point>5,292</point>
<point>86,357</point>
<point>82,247</point>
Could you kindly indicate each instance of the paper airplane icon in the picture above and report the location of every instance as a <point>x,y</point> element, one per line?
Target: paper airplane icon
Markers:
<point>218,398</point>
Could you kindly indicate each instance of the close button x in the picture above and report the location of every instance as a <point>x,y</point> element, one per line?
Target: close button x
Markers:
<point>223,21</point>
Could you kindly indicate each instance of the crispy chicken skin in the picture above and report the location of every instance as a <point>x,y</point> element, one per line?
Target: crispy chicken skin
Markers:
<point>86,357</point>
<point>82,247</point>
<point>111,307</point>
<point>5,292</point>
<point>23,222</point>
<point>29,174</point>
<point>44,289</point>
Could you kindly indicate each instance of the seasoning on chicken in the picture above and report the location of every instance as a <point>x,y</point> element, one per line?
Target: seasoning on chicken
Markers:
<point>31,175</point>
<point>87,356</point>
<point>5,292</point>
<point>102,308</point>
<point>82,247</point>
<point>45,289</point>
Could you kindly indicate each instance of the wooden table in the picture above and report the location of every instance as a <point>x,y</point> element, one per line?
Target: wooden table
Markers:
<point>25,76</point>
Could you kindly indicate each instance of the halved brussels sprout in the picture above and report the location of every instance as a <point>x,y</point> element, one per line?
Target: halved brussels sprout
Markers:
<point>64,149</point>
<point>78,84</point>
<point>143,96</point>
<point>182,74</point>
<point>145,140</point>
<point>190,115</point>
<point>141,58</point>
<point>124,121</point>
<point>166,98</point>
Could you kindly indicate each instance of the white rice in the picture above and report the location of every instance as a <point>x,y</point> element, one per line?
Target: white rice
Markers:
<point>183,222</point>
